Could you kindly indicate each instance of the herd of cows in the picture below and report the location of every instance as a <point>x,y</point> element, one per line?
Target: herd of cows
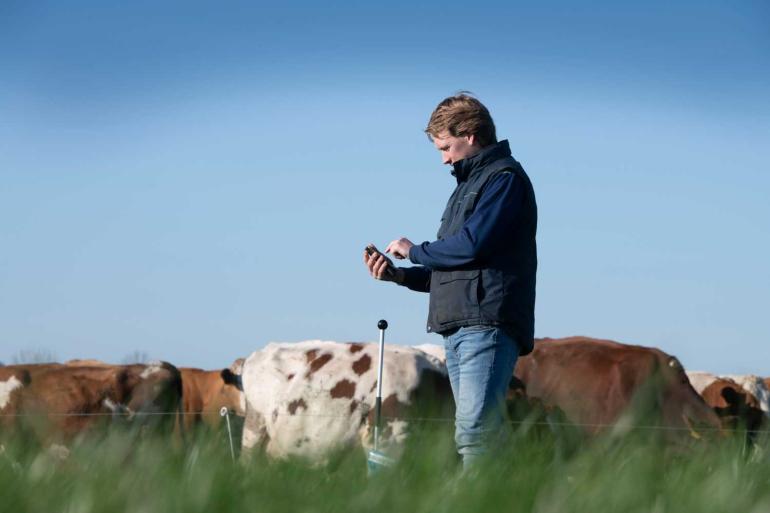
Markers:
<point>308,398</point>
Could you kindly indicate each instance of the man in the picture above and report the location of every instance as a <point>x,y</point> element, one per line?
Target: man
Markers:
<point>480,271</point>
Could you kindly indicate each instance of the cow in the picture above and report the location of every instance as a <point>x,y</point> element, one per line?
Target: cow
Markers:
<point>58,402</point>
<point>435,350</point>
<point>735,406</point>
<point>700,379</point>
<point>602,384</point>
<point>12,381</point>
<point>205,393</point>
<point>523,411</point>
<point>307,398</point>
<point>78,362</point>
<point>754,385</point>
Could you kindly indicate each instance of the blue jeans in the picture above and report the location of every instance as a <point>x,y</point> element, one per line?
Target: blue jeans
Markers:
<point>480,361</point>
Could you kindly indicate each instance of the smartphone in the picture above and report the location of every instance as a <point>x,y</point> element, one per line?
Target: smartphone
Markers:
<point>371,250</point>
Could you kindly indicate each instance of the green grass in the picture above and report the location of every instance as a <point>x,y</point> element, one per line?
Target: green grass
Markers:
<point>536,471</point>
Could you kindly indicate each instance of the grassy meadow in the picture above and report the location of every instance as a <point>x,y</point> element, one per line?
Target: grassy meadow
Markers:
<point>536,471</point>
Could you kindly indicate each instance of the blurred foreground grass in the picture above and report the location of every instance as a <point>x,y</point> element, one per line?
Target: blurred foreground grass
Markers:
<point>536,471</point>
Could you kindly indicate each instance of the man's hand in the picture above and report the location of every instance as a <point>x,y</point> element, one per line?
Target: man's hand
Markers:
<point>399,248</point>
<point>378,263</point>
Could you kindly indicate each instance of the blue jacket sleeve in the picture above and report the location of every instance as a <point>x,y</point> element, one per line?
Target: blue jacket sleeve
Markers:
<point>483,232</point>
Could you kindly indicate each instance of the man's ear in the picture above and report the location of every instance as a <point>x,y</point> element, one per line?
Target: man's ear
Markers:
<point>471,139</point>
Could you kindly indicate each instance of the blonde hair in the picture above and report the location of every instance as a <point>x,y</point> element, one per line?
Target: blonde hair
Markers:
<point>462,115</point>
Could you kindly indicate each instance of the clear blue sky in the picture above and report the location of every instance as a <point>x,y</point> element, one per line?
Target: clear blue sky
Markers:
<point>194,180</point>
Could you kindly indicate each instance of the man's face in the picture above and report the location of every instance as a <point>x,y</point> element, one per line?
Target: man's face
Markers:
<point>455,148</point>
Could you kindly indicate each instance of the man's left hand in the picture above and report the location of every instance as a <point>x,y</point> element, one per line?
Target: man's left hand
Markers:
<point>399,248</point>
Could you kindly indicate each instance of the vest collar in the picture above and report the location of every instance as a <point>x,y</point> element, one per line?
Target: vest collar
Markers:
<point>465,167</point>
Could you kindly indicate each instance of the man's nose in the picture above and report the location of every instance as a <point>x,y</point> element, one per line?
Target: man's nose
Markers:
<point>447,160</point>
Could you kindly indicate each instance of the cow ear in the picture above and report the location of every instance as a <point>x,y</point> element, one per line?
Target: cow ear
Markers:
<point>230,378</point>
<point>26,378</point>
<point>731,396</point>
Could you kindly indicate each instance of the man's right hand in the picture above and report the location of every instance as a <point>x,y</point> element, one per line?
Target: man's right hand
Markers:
<point>378,263</point>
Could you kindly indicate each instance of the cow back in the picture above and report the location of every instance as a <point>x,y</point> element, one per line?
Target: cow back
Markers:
<point>595,382</point>
<point>310,397</point>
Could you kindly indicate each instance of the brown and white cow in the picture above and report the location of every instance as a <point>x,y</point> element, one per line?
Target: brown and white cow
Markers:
<point>735,406</point>
<point>12,380</point>
<point>308,398</point>
<point>435,350</point>
<point>58,402</point>
<point>755,386</point>
<point>600,384</point>
<point>752,385</point>
<point>205,393</point>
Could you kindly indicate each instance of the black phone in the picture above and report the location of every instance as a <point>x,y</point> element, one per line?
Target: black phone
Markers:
<point>371,250</point>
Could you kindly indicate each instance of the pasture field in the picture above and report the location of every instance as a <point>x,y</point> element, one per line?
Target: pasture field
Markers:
<point>536,471</point>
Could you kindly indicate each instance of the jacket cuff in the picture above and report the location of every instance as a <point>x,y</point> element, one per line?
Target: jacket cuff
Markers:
<point>416,252</point>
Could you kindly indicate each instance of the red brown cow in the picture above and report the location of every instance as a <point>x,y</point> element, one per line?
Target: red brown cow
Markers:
<point>58,402</point>
<point>205,393</point>
<point>599,383</point>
